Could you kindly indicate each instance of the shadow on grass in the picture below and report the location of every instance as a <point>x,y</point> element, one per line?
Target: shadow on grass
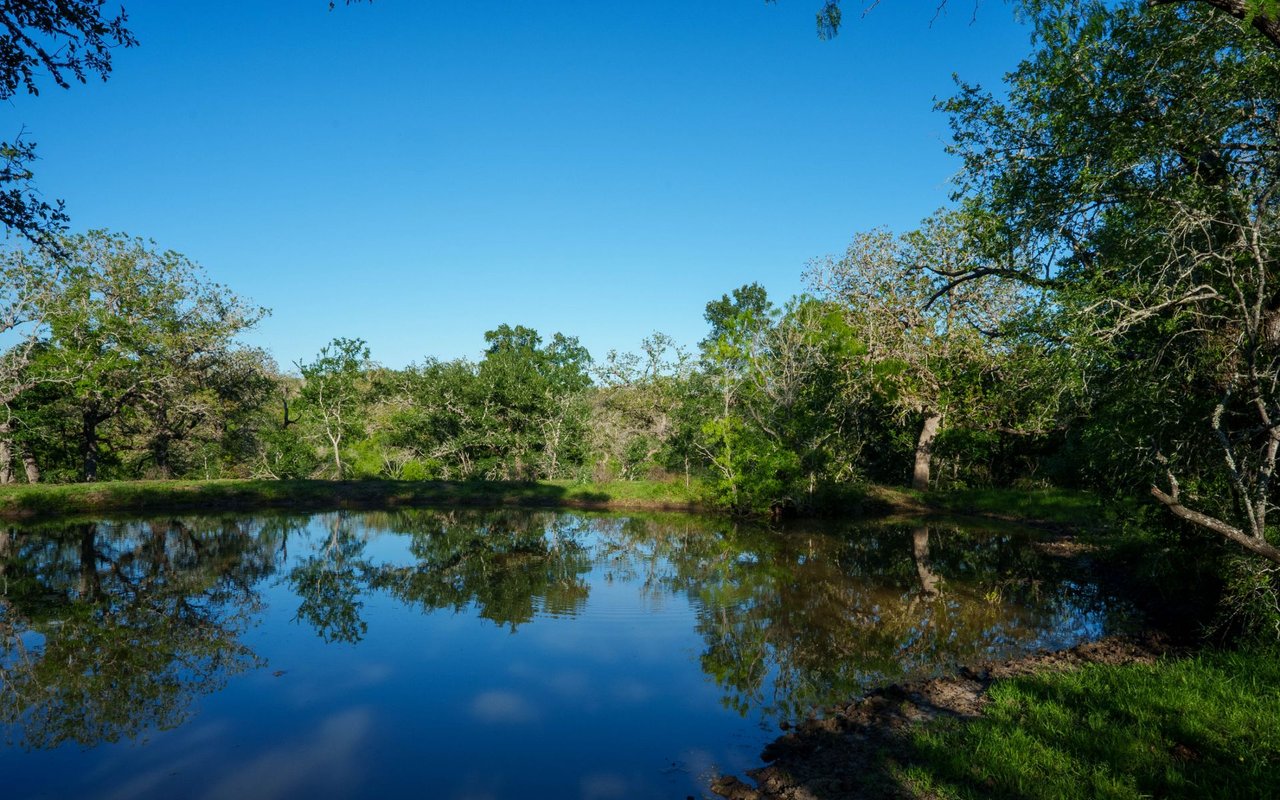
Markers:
<point>136,497</point>
<point>1053,506</point>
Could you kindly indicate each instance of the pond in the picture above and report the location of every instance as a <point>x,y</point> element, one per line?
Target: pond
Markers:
<point>479,654</point>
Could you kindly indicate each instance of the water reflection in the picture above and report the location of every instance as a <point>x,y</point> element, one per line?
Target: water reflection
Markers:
<point>509,565</point>
<point>108,631</point>
<point>812,619</point>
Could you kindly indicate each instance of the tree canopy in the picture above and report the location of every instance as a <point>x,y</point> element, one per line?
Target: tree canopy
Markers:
<point>67,41</point>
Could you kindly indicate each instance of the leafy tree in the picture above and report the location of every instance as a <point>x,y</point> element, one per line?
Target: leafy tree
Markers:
<point>790,399</point>
<point>330,583</point>
<point>133,328</point>
<point>1263,15</point>
<point>67,40</point>
<point>634,410</point>
<point>438,422</point>
<point>334,390</point>
<point>194,415</point>
<point>744,310</point>
<point>134,623</point>
<point>750,470</point>
<point>938,349</point>
<point>532,401</point>
<point>508,565</point>
<point>29,287</point>
<point>1148,189</point>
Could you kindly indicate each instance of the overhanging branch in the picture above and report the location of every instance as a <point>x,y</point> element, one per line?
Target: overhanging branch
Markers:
<point>1250,543</point>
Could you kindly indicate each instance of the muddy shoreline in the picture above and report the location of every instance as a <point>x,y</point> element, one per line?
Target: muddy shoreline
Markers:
<point>839,753</point>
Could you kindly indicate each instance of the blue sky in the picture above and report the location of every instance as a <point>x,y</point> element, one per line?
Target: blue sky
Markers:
<point>416,172</point>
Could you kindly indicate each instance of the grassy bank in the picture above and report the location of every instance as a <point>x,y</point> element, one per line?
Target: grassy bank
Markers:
<point>1201,726</point>
<point>23,501</point>
<point>1067,508</point>
<point>1107,719</point>
<point>44,501</point>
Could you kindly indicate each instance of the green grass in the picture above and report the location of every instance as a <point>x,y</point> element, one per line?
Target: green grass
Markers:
<point>1205,726</point>
<point>136,497</point>
<point>23,501</point>
<point>1065,507</point>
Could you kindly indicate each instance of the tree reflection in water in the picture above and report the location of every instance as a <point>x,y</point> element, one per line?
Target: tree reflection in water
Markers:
<point>812,620</point>
<point>509,565</point>
<point>109,630</point>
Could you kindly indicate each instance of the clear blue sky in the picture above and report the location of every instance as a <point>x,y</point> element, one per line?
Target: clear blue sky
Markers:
<point>415,172</point>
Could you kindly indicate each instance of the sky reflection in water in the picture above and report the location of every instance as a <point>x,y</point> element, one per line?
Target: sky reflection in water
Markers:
<point>477,654</point>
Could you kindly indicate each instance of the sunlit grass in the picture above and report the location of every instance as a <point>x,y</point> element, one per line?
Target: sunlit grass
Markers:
<point>1205,726</point>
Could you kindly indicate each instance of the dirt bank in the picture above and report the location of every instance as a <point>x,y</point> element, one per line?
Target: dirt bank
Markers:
<point>844,753</point>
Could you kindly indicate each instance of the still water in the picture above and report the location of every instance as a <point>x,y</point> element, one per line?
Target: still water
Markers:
<point>478,654</point>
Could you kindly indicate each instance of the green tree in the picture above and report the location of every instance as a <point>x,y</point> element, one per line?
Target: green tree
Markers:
<point>938,349</point>
<point>196,415</point>
<point>439,422</point>
<point>30,286</point>
<point>635,407</point>
<point>330,583</point>
<point>532,402</point>
<point>133,327</point>
<point>110,632</point>
<point>334,390</point>
<point>750,470</point>
<point>1148,189</point>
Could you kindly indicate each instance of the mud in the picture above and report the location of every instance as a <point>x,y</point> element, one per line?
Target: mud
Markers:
<point>844,752</point>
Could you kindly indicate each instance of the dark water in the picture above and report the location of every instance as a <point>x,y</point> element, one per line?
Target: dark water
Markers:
<point>477,654</point>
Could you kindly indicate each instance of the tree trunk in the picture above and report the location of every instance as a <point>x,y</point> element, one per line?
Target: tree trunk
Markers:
<point>29,464</point>
<point>337,455</point>
<point>6,545</point>
<point>1254,544</point>
<point>160,454</point>
<point>6,457</point>
<point>89,446</point>
<point>924,450</point>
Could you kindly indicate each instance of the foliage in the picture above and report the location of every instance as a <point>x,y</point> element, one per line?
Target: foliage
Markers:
<point>69,40</point>
<point>638,417</point>
<point>1145,188</point>
<point>139,353</point>
<point>940,352</point>
<point>122,647</point>
<point>333,391</point>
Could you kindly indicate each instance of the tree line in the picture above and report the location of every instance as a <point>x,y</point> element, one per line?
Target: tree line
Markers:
<point>125,362</point>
